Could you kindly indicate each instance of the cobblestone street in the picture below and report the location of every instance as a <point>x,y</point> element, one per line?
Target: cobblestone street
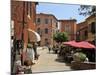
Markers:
<point>47,62</point>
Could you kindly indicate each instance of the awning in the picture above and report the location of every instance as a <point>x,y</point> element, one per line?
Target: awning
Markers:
<point>33,36</point>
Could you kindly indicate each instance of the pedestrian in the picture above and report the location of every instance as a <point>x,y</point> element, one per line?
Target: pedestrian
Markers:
<point>49,48</point>
<point>19,47</point>
<point>35,51</point>
<point>30,51</point>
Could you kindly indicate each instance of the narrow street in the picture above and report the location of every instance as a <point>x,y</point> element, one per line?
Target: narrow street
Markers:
<point>47,62</point>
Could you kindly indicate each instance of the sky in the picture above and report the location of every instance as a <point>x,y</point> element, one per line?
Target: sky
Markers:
<point>61,11</point>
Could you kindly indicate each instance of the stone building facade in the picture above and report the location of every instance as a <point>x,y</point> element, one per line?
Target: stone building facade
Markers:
<point>91,21</point>
<point>68,26</point>
<point>19,15</point>
<point>46,26</point>
<point>82,31</point>
<point>87,29</point>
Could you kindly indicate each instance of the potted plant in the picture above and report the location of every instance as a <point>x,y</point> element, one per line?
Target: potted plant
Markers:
<point>78,61</point>
<point>79,57</point>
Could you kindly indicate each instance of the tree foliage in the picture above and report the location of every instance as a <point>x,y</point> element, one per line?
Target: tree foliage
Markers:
<point>87,10</point>
<point>60,37</point>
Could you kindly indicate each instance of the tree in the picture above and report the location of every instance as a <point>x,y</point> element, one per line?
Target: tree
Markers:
<point>87,10</point>
<point>60,37</point>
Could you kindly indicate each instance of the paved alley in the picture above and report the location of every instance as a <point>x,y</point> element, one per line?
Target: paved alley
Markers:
<point>47,62</point>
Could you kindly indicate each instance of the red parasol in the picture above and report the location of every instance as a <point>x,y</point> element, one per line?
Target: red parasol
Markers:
<point>82,44</point>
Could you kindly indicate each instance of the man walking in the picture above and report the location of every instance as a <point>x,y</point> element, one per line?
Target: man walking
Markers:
<point>35,51</point>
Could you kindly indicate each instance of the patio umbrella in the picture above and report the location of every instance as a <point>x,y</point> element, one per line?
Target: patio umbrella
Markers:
<point>85,44</point>
<point>33,36</point>
<point>69,42</point>
<point>72,43</point>
<point>82,44</point>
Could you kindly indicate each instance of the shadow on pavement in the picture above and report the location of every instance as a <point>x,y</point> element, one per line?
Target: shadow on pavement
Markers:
<point>60,60</point>
<point>51,53</point>
<point>67,64</point>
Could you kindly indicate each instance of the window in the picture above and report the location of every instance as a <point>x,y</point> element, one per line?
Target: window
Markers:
<point>46,21</point>
<point>56,25</point>
<point>51,21</point>
<point>38,20</point>
<point>46,31</point>
<point>12,37</point>
<point>78,36</point>
<point>46,42</point>
<point>29,8</point>
<point>68,28</point>
<point>86,34</point>
<point>39,31</point>
<point>93,27</point>
<point>46,39</point>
